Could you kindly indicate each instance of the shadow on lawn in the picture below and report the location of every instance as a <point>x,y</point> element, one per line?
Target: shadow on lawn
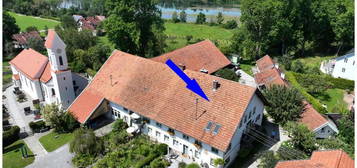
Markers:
<point>12,148</point>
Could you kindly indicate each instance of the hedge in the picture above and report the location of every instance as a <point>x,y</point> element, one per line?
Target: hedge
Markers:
<point>290,76</point>
<point>10,136</point>
<point>37,126</point>
<point>341,83</point>
<point>147,160</point>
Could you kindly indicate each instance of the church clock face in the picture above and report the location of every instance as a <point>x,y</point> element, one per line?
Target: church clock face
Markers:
<point>59,51</point>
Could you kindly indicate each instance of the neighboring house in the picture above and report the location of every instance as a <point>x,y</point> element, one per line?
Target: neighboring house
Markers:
<point>321,159</point>
<point>203,56</point>
<point>89,23</point>
<point>77,18</point>
<point>341,67</point>
<point>21,39</point>
<point>322,126</point>
<point>154,101</point>
<point>267,73</point>
<point>45,78</point>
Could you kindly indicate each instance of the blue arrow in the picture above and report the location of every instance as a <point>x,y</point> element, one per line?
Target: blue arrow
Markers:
<point>191,84</point>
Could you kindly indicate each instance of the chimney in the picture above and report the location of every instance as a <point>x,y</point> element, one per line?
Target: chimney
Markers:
<point>182,67</point>
<point>215,85</point>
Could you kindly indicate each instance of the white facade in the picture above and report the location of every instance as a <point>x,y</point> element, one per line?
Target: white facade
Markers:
<point>59,89</point>
<point>184,144</point>
<point>341,67</point>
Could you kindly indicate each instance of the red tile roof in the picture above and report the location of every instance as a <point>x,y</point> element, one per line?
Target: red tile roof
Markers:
<point>86,102</point>
<point>22,38</point>
<point>46,75</point>
<point>30,62</point>
<point>321,159</point>
<point>16,76</point>
<point>51,35</point>
<point>153,90</point>
<point>311,118</point>
<point>202,55</point>
<point>269,77</point>
<point>265,63</point>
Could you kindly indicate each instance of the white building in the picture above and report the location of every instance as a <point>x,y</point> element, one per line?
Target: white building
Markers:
<point>341,67</point>
<point>154,101</point>
<point>45,78</point>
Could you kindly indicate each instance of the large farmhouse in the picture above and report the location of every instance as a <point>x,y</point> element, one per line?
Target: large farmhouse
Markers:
<point>46,78</point>
<point>154,101</point>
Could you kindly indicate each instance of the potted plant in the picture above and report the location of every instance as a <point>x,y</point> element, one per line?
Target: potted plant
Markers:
<point>218,162</point>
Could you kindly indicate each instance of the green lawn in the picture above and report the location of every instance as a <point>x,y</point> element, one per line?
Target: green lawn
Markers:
<point>314,61</point>
<point>6,71</point>
<point>197,31</point>
<point>332,98</point>
<point>12,157</point>
<point>24,21</point>
<point>51,142</point>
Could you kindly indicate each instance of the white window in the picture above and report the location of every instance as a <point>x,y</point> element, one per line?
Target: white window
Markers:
<point>323,130</point>
<point>185,137</point>
<point>175,143</point>
<point>158,134</point>
<point>343,69</point>
<point>214,150</point>
<point>166,138</point>
<point>158,124</point>
<point>346,60</point>
<point>149,130</point>
<point>197,154</point>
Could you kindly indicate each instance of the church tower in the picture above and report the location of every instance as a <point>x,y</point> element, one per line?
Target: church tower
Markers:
<point>61,74</point>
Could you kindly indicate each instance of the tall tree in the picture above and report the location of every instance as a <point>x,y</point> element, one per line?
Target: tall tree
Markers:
<point>183,16</point>
<point>135,26</point>
<point>36,44</point>
<point>201,18</point>
<point>285,104</point>
<point>85,142</point>
<point>67,21</point>
<point>220,18</point>
<point>9,27</point>
<point>175,17</point>
<point>301,137</point>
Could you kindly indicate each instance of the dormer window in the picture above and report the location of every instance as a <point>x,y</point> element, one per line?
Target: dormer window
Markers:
<point>60,60</point>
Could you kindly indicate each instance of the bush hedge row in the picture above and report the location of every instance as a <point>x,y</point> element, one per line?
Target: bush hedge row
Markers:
<point>10,136</point>
<point>290,76</point>
<point>338,83</point>
<point>37,126</point>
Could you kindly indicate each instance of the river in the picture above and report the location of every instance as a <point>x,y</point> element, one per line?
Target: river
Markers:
<point>229,8</point>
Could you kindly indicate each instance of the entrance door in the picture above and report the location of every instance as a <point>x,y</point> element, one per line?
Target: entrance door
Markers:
<point>185,149</point>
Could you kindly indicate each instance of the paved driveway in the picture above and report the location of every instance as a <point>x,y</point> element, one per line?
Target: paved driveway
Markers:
<point>60,158</point>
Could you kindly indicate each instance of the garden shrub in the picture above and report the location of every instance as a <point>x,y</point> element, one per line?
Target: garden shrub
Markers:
<point>159,163</point>
<point>83,160</point>
<point>161,149</point>
<point>147,160</point>
<point>231,24</point>
<point>290,76</point>
<point>193,165</point>
<point>341,83</point>
<point>10,136</point>
<point>37,126</point>
<point>182,165</point>
<point>119,125</point>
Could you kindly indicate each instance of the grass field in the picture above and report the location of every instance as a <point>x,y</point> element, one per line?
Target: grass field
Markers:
<point>334,97</point>
<point>6,72</point>
<point>177,33</point>
<point>53,140</point>
<point>24,21</point>
<point>12,157</point>
<point>314,61</point>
